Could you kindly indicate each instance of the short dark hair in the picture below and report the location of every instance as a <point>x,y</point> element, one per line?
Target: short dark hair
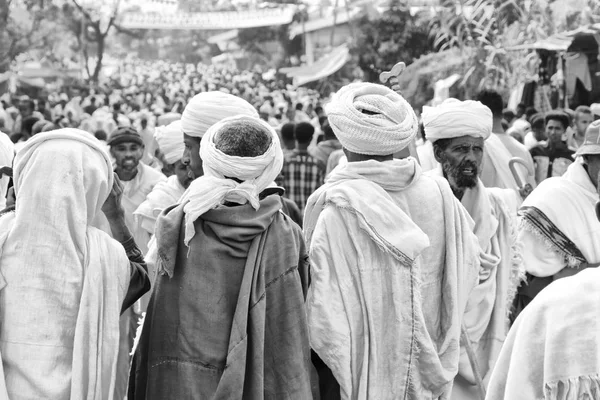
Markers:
<point>299,106</point>
<point>583,110</point>
<point>100,135</point>
<point>559,116</point>
<point>243,139</point>
<point>537,121</point>
<point>304,132</point>
<point>492,100</point>
<point>318,109</point>
<point>508,114</point>
<point>287,131</point>
<point>529,111</point>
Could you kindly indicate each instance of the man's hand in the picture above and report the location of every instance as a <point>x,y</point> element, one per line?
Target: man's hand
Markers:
<point>112,207</point>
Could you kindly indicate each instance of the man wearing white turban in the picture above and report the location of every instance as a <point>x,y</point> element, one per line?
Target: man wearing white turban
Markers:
<point>165,193</point>
<point>390,273</point>
<point>63,282</point>
<point>458,130</point>
<point>203,111</point>
<point>227,317</point>
<point>7,153</point>
<point>552,349</point>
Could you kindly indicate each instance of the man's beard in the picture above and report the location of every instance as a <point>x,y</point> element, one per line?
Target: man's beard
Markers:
<point>456,174</point>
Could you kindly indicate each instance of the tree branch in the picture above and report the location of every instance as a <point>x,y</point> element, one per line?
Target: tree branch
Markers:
<point>128,32</point>
<point>82,10</point>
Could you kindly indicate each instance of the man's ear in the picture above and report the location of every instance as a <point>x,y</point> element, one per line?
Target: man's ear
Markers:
<point>438,153</point>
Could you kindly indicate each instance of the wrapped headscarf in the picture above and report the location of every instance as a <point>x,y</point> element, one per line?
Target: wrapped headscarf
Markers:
<point>208,108</point>
<point>7,153</point>
<point>170,141</point>
<point>455,118</point>
<point>371,119</point>
<point>216,187</point>
<point>63,281</point>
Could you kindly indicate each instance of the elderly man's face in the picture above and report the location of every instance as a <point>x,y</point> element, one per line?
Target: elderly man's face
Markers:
<point>461,161</point>
<point>191,156</point>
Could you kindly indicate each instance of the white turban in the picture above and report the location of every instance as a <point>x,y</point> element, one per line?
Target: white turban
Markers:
<point>387,127</point>
<point>208,108</point>
<point>7,153</point>
<point>215,187</point>
<point>170,141</point>
<point>454,118</point>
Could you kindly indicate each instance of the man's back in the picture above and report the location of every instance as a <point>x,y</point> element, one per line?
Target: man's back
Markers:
<point>301,177</point>
<point>240,283</point>
<point>358,275</point>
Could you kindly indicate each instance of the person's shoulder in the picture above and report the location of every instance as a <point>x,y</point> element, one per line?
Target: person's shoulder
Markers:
<point>538,150</point>
<point>153,174</point>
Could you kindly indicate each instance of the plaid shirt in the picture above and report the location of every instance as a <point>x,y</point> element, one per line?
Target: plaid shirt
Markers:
<point>301,177</point>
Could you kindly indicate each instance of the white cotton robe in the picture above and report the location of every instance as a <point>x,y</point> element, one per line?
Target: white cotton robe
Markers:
<point>62,281</point>
<point>393,261</point>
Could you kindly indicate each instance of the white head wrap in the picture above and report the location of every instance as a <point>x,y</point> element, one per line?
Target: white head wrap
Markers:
<point>61,270</point>
<point>454,118</point>
<point>213,189</point>
<point>7,153</point>
<point>387,128</point>
<point>208,108</point>
<point>170,141</point>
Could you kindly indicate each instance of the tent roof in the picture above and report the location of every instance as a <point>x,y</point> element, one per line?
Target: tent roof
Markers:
<point>322,68</point>
<point>560,41</point>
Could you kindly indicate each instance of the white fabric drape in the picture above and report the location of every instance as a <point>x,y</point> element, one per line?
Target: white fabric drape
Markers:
<point>62,280</point>
<point>215,187</point>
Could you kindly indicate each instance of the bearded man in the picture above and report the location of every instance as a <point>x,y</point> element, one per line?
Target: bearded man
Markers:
<point>558,227</point>
<point>458,131</point>
<point>393,259</point>
<point>227,319</point>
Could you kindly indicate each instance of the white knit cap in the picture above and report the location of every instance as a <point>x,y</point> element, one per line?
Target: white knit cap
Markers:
<point>207,108</point>
<point>454,118</point>
<point>371,119</point>
<point>170,141</point>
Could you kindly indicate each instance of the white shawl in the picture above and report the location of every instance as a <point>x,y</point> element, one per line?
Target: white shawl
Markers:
<point>164,194</point>
<point>569,202</point>
<point>366,317</point>
<point>62,281</point>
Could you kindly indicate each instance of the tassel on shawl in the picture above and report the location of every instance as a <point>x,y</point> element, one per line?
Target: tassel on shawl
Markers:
<point>579,388</point>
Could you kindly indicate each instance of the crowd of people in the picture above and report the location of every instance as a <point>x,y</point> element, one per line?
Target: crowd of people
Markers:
<point>205,233</point>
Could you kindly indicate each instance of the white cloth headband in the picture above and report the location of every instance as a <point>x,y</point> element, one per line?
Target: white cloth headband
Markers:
<point>215,187</point>
<point>455,118</point>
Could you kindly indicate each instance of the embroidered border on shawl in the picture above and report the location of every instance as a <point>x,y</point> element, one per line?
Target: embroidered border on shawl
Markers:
<point>535,221</point>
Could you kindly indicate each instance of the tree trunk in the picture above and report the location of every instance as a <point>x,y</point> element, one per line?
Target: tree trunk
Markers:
<point>99,55</point>
<point>4,39</point>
